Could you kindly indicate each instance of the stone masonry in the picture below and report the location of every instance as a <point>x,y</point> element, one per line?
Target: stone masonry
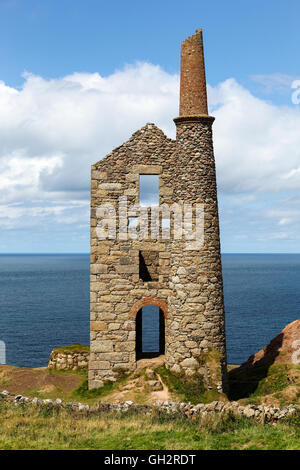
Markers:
<point>68,360</point>
<point>185,279</point>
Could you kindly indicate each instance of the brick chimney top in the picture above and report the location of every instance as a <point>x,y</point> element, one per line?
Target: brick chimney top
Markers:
<point>193,98</point>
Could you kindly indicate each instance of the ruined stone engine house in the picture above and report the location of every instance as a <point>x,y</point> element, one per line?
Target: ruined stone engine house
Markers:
<point>172,281</point>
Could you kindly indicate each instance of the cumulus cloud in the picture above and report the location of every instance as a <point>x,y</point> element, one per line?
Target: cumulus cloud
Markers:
<point>51,131</point>
<point>20,175</point>
<point>257,144</point>
<point>61,126</point>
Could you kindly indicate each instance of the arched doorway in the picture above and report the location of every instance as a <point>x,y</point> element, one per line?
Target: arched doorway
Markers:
<point>150,332</point>
<point>138,314</point>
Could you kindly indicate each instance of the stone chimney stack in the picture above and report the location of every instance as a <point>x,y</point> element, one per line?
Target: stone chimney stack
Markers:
<point>195,178</point>
<point>193,98</point>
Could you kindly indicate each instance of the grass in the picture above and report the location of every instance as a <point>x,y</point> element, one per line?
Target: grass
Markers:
<point>25,427</point>
<point>191,390</point>
<point>72,348</point>
<point>278,383</point>
<point>275,381</point>
<point>139,392</point>
<point>91,396</point>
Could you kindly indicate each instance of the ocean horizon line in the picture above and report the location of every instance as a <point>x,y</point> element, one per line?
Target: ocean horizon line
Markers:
<point>45,301</point>
<point>88,253</point>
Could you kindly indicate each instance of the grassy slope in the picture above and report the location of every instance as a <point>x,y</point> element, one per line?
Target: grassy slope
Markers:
<point>42,383</point>
<point>278,385</point>
<point>188,391</point>
<point>72,348</point>
<point>28,428</point>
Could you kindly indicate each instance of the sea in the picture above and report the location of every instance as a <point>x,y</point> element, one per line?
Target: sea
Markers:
<point>44,303</point>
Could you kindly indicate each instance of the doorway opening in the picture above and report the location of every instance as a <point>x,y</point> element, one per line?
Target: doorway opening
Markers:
<point>150,332</point>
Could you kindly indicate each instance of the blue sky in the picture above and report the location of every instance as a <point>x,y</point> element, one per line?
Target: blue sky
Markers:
<point>53,38</point>
<point>54,53</point>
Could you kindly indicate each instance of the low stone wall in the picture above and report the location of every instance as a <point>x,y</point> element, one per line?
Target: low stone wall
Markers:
<point>261,413</point>
<point>68,360</point>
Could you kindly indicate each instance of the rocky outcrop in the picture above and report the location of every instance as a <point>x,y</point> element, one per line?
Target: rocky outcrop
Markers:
<point>283,349</point>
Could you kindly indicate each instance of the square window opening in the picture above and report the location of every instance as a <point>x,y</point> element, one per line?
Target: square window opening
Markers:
<point>149,190</point>
<point>132,221</point>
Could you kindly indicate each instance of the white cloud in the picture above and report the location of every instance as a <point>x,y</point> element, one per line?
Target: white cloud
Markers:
<point>20,175</point>
<point>51,131</point>
<point>274,83</point>
<point>16,216</point>
<point>74,121</point>
<point>257,144</point>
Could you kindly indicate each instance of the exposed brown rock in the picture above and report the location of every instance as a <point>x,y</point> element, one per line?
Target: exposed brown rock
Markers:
<point>282,349</point>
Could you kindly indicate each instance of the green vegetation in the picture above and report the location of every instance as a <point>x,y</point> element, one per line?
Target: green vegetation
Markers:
<point>42,383</point>
<point>275,381</point>
<point>90,396</point>
<point>72,348</point>
<point>25,427</point>
<point>277,384</point>
<point>191,390</point>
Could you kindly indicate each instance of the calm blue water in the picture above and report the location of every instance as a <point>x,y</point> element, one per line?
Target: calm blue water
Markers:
<point>150,328</point>
<point>44,302</point>
<point>261,296</point>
